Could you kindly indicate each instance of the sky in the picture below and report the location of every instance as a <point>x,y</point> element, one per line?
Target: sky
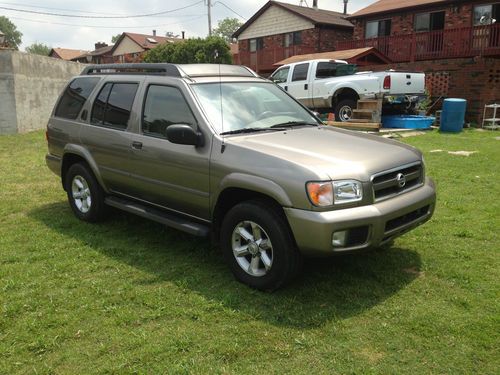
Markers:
<point>82,32</point>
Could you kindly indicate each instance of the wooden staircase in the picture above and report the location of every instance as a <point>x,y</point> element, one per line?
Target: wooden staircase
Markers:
<point>366,116</point>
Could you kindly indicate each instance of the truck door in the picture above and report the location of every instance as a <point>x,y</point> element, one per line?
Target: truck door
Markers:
<point>298,85</point>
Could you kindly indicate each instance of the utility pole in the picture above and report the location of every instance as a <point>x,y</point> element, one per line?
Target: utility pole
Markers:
<point>209,4</point>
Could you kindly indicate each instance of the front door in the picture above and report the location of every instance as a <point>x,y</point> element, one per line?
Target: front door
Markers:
<point>170,175</point>
<point>298,86</point>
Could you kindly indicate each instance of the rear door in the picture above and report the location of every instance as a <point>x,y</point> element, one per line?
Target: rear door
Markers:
<point>107,133</point>
<point>299,86</point>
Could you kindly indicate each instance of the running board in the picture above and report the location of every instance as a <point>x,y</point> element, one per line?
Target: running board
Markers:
<point>159,216</point>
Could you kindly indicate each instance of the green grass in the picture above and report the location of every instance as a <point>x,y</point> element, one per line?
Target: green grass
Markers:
<point>130,296</point>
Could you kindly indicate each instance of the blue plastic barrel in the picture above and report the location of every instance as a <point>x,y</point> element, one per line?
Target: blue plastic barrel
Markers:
<point>453,115</point>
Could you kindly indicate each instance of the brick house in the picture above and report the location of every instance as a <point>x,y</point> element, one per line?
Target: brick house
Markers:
<point>412,30</point>
<point>455,42</point>
<point>101,55</point>
<point>279,30</point>
<point>130,47</point>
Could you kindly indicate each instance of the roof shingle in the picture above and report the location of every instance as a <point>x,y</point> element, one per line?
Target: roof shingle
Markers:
<point>66,53</point>
<point>384,6</point>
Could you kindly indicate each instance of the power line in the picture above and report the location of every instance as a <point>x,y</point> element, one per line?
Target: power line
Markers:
<point>110,27</point>
<point>221,3</point>
<point>42,7</point>
<point>106,17</point>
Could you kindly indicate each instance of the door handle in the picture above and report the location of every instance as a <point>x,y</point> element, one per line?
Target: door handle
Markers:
<point>137,145</point>
<point>286,88</point>
<point>305,86</point>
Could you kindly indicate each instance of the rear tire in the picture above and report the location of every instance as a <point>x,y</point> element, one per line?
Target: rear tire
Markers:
<point>258,246</point>
<point>85,195</point>
<point>343,109</point>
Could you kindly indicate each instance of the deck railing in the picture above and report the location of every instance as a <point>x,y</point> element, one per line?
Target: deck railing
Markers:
<point>263,59</point>
<point>440,44</point>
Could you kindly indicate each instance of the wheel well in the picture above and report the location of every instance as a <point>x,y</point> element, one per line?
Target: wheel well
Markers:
<point>230,197</point>
<point>345,93</point>
<point>67,162</point>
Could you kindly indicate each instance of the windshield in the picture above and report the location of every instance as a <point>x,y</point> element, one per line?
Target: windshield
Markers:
<point>249,105</point>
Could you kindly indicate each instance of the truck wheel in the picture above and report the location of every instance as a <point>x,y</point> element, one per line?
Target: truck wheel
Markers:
<point>343,109</point>
<point>85,195</point>
<point>258,246</point>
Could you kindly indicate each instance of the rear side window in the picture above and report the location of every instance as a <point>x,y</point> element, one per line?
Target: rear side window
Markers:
<point>113,105</point>
<point>164,106</point>
<point>75,96</point>
<point>300,72</point>
<point>326,69</point>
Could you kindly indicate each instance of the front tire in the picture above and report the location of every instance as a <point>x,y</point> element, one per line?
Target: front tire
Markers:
<point>258,246</point>
<point>85,195</point>
<point>343,109</point>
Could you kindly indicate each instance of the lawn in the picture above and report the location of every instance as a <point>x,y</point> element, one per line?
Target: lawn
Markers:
<point>131,296</point>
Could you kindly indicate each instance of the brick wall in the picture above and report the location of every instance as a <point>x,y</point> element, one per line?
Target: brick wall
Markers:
<point>474,79</point>
<point>456,16</point>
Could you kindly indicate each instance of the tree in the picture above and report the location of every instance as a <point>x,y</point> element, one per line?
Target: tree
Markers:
<point>115,38</point>
<point>39,49</point>
<point>171,34</point>
<point>12,35</point>
<point>226,28</point>
<point>191,51</point>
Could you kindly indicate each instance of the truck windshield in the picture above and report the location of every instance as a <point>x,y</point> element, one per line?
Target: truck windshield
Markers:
<point>233,106</point>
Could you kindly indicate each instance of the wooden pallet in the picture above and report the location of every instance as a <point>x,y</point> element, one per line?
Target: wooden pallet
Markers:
<point>355,125</point>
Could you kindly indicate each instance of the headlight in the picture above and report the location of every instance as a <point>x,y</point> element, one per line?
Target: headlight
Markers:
<point>347,191</point>
<point>334,192</point>
<point>320,193</point>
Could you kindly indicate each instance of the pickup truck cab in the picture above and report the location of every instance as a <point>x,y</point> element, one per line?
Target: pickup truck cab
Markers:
<point>217,151</point>
<point>331,85</point>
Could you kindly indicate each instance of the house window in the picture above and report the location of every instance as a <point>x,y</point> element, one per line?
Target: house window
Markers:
<point>380,28</point>
<point>486,14</point>
<point>256,44</point>
<point>429,21</point>
<point>292,39</point>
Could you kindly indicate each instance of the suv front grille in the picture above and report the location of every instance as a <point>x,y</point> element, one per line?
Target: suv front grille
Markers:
<point>397,181</point>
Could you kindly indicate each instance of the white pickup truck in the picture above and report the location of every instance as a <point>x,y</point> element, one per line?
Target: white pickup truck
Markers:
<point>330,84</point>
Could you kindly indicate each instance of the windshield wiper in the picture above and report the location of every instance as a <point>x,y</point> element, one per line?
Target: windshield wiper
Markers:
<point>252,130</point>
<point>295,123</point>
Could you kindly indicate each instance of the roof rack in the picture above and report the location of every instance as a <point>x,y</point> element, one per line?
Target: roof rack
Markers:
<point>163,69</point>
<point>172,70</point>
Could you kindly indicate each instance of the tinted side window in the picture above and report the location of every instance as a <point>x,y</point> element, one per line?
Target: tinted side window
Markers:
<point>97,116</point>
<point>165,105</point>
<point>113,105</point>
<point>300,72</point>
<point>326,69</point>
<point>75,96</point>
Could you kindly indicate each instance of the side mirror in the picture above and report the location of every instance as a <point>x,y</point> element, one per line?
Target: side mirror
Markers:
<point>183,134</point>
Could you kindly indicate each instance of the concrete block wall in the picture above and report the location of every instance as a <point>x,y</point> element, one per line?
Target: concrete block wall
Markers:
<point>29,87</point>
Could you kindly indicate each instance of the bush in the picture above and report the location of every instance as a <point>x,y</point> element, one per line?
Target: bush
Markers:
<point>191,51</point>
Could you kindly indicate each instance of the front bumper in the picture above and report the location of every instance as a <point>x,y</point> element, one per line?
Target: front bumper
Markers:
<point>383,221</point>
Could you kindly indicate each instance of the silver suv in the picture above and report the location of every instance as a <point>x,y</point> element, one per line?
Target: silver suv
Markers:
<point>215,150</point>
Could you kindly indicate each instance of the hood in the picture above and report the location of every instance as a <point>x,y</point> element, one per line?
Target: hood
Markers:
<point>331,153</point>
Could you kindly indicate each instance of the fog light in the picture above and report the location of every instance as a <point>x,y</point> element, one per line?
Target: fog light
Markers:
<point>339,238</point>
